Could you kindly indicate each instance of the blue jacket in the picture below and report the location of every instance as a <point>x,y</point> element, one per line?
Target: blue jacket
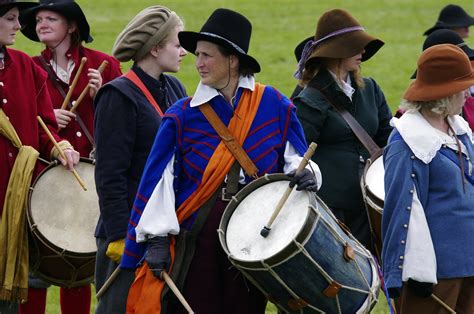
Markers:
<point>448,207</point>
<point>186,134</point>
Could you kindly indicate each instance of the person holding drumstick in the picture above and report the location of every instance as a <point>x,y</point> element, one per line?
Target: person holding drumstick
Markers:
<point>62,26</point>
<point>191,174</point>
<point>128,114</point>
<point>428,216</point>
<point>330,72</point>
<point>24,96</point>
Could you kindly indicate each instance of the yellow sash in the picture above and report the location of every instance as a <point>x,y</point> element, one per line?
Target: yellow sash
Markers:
<point>13,232</point>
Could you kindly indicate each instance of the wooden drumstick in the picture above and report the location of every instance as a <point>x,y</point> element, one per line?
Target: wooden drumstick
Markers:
<point>444,305</point>
<point>76,103</point>
<point>74,172</point>
<point>74,83</point>
<point>107,284</point>
<point>307,156</point>
<point>176,291</point>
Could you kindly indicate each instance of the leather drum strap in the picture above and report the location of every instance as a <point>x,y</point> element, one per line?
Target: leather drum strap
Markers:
<point>63,95</point>
<point>234,147</point>
<point>356,128</point>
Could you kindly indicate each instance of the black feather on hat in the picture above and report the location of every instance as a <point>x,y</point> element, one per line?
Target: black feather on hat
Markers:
<point>70,9</point>
<point>225,28</point>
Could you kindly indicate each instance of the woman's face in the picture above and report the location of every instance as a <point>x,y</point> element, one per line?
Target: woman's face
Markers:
<point>457,102</point>
<point>213,67</point>
<point>9,25</point>
<point>52,28</point>
<point>352,63</point>
<point>171,54</point>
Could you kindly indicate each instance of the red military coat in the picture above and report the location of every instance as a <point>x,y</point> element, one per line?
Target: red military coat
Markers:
<point>23,96</point>
<point>73,132</point>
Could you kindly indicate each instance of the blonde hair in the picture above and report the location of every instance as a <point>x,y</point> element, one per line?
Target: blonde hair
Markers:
<point>315,65</point>
<point>441,106</point>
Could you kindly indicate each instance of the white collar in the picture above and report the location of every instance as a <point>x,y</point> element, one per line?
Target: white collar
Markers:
<point>424,140</point>
<point>205,93</point>
<point>346,86</point>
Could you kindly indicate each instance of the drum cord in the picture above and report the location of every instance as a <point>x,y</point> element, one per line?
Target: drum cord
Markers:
<point>384,287</point>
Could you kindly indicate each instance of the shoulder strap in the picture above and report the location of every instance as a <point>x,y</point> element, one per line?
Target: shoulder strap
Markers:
<point>356,128</point>
<point>234,147</point>
<point>63,95</point>
<point>136,80</point>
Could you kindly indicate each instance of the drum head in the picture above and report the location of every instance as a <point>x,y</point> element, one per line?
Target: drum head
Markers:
<point>374,178</point>
<point>62,212</point>
<point>252,213</point>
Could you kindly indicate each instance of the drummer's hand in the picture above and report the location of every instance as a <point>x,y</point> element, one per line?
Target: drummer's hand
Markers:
<point>63,117</point>
<point>115,250</point>
<point>420,289</point>
<point>158,255</point>
<point>72,158</point>
<point>304,180</point>
<point>95,81</point>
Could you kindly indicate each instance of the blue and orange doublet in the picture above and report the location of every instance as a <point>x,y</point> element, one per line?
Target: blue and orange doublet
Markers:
<point>187,135</point>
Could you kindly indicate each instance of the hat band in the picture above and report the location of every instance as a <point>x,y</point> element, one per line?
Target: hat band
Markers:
<point>311,44</point>
<point>339,32</point>
<point>240,50</point>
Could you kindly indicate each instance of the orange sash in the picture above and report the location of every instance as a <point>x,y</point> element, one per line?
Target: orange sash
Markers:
<point>145,293</point>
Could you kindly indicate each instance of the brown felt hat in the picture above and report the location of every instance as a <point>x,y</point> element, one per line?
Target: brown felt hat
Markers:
<point>442,70</point>
<point>147,29</point>
<point>339,36</point>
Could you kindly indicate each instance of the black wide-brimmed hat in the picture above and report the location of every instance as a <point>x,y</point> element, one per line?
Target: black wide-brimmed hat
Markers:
<point>70,9</point>
<point>451,16</point>
<point>225,28</point>
<point>6,5</point>
<point>299,49</point>
<point>446,36</point>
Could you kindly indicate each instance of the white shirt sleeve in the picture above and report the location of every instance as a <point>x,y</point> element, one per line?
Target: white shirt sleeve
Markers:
<point>159,215</point>
<point>420,259</point>
<point>292,161</point>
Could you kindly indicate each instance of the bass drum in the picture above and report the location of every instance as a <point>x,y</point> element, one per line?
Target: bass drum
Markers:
<point>373,191</point>
<point>308,263</point>
<point>62,218</point>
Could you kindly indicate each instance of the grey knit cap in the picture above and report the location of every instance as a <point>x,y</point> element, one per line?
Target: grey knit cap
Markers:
<point>147,29</point>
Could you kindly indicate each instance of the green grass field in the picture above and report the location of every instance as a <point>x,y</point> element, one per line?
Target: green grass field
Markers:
<point>278,26</point>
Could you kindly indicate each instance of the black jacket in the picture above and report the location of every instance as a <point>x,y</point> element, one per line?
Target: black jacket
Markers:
<point>125,128</point>
<point>339,152</point>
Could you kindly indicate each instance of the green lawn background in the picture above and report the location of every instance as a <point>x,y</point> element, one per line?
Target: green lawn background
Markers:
<point>278,26</point>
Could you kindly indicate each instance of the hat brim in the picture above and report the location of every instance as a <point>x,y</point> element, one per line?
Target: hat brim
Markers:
<point>348,45</point>
<point>465,22</point>
<point>188,40</point>
<point>71,10</point>
<point>20,5</point>
<point>417,91</point>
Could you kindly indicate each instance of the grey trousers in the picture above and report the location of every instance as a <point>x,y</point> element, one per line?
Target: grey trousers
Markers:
<point>114,300</point>
<point>7,307</point>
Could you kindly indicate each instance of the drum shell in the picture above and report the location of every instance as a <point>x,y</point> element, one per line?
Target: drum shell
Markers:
<point>55,264</point>
<point>374,203</point>
<point>290,276</point>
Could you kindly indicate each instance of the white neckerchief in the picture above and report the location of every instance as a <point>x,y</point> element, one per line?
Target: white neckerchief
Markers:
<point>345,85</point>
<point>205,93</point>
<point>424,140</point>
<point>63,74</point>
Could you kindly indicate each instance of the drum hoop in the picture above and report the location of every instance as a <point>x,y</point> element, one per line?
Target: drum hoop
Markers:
<point>32,224</point>
<point>302,236</point>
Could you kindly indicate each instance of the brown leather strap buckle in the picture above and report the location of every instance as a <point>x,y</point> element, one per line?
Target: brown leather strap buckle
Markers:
<point>332,290</point>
